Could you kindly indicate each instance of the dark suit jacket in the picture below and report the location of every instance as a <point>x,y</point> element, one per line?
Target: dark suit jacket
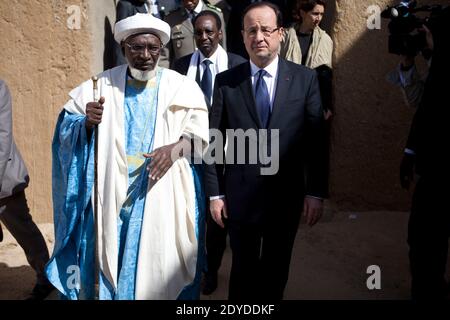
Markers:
<point>125,9</point>
<point>298,114</point>
<point>128,8</point>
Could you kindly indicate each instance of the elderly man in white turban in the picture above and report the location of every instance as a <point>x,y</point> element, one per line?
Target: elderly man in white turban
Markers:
<point>151,122</point>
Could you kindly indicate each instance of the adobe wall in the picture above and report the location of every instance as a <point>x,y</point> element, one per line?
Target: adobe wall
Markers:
<point>42,59</point>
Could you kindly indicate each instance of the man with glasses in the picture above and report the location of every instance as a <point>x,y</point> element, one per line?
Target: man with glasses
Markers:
<point>271,95</point>
<point>208,32</point>
<point>234,22</point>
<point>150,205</point>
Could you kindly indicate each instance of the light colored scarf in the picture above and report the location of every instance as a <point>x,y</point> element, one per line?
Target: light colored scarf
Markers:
<point>221,63</point>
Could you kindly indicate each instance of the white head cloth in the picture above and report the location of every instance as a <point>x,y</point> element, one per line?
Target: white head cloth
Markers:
<point>141,23</point>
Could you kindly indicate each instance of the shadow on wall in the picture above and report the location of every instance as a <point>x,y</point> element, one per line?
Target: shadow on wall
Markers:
<point>329,18</point>
<point>108,53</point>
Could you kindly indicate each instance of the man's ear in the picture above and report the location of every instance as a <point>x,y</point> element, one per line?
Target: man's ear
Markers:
<point>220,35</point>
<point>281,33</point>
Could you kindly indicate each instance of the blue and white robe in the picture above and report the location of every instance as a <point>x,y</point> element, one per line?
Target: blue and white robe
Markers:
<point>154,251</point>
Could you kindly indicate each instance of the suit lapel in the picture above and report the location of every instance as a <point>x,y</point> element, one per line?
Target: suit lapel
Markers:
<point>247,94</point>
<point>230,63</point>
<point>281,93</point>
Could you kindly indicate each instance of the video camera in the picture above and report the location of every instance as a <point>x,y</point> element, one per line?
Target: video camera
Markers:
<point>405,36</point>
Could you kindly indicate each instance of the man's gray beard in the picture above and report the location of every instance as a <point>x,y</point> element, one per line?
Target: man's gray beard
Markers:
<point>143,75</point>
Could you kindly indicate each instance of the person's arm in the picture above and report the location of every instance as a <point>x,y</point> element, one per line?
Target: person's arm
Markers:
<point>409,154</point>
<point>5,128</point>
<point>411,82</point>
<point>316,161</point>
<point>214,171</point>
<point>192,139</point>
<point>325,77</point>
<point>407,76</point>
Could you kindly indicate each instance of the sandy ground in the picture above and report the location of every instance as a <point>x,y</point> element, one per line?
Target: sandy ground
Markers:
<point>329,261</point>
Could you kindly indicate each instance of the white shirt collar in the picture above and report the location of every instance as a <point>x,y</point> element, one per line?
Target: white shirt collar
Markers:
<point>213,57</point>
<point>198,8</point>
<point>271,69</point>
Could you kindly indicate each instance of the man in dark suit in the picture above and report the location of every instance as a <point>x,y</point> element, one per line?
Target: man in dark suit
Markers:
<point>262,208</point>
<point>429,222</point>
<point>208,33</point>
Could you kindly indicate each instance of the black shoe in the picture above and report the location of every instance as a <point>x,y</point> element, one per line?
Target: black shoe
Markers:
<point>40,292</point>
<point>210,283</point>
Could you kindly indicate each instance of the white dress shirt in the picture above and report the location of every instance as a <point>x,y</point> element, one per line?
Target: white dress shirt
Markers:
<point>270,78</point>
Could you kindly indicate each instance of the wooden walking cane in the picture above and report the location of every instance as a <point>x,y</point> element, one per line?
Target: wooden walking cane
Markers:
<point>96,267</point>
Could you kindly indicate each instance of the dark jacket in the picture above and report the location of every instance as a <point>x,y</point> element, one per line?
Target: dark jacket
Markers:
<point>298,115</point>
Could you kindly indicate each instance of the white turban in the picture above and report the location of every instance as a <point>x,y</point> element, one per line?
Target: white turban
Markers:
<point>141,23</point>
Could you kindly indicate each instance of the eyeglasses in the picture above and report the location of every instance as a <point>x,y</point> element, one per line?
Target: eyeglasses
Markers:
<point>267,32</point>
<point>140,48</point>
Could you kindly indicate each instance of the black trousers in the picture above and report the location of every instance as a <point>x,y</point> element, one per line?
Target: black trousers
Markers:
<point>428,235</point>
<point>216,241</point>
<point>15,215</point>
<point>261,259</point>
